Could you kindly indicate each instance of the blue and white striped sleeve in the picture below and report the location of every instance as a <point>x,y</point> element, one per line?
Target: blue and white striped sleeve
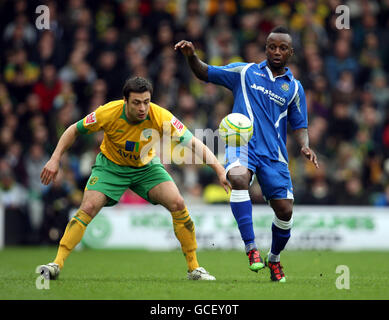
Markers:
<point>227,75</point>
<point>297,113</point>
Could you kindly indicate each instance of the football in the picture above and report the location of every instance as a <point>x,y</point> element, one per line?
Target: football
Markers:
<point>236,129</point>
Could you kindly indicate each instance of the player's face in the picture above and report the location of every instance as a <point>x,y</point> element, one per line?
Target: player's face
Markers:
<point>137,106</point>
<point>278,49</point>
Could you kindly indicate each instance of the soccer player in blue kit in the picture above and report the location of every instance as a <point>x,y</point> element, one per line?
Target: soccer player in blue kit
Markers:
<point>271,97</point>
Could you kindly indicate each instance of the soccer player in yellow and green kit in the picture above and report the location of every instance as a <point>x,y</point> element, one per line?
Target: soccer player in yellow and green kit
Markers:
<point>128,160</point>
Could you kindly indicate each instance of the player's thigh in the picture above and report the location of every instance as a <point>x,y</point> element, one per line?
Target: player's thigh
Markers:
<point>92,202</point>
<point>109,179</point>
<point>148,180</point>
<point>274,179</point>
<point>167,194</point>
<point>240,166</point>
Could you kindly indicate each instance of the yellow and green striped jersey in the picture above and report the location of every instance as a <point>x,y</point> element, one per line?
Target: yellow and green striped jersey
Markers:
<point>129,144</point>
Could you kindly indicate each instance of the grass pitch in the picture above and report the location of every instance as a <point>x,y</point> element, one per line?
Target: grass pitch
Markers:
<point>146,275</point>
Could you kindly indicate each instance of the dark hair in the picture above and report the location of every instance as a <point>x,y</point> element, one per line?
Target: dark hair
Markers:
<point>280,29</point>
<point>137,84</point>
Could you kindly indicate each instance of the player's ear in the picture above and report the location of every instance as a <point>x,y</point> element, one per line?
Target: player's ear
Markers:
<point>291,51</point>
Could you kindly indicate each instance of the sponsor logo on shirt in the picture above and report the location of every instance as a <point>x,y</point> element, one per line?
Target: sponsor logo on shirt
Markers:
<point>272,96</point>
<point>131,145</point>
<point>90,118</point>
<point>259,74</point>
<point>177,124</point>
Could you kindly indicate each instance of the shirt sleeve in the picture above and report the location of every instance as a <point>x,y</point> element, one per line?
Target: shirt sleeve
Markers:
<point>175,128</point>
<point>297,113</point>
<point>93,122</point>
<point>227,75</point>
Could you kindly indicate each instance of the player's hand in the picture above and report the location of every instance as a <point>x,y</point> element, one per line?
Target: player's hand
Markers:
<point>50,171</point>
<point>310,155</point>
<point>224,182</point>
<point>187,48</point>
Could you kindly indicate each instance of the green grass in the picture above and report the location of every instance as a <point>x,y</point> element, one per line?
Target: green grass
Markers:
<point>145,275</point>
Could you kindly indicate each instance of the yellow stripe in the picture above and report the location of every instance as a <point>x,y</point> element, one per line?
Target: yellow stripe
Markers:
<point>231,125</point>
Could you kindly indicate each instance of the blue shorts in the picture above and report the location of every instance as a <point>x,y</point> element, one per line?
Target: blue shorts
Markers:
<point>273,175</point>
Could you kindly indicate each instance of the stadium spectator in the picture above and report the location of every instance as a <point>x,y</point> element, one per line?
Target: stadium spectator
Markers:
<point>340,61</point>
<point>14,198</point>
<point>20,33</point>
<point>382,199</point>
<point>158,15</point>
<point>351,192</point>
<point>47,88</point>
<point>342,126</point>
<point>109,69</point>
<point>48,51</point>
<point>57,205</point>
<point>20,74</point>
<point>34,161</point>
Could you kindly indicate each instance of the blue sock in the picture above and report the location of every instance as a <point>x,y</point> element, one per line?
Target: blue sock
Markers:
<point>280,238</point>
<point>242,211</point>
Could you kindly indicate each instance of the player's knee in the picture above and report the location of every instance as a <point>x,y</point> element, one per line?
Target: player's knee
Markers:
<point>283,209</point>
<point>90,208</point>
<point>239,182</point>
<point>284,213</point>
<point>177,204</point>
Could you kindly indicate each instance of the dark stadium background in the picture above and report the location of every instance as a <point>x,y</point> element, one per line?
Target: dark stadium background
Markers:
<point>49,79</point>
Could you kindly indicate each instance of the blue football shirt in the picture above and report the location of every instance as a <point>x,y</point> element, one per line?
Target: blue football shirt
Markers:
<point>270,102</point>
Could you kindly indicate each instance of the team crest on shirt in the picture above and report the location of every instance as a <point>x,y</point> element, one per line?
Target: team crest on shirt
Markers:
<point>177,124</point>
<point>90,118</point>
<point>285,87</point>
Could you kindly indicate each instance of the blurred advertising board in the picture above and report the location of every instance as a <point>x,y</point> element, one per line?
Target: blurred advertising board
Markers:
<point>315,227</point>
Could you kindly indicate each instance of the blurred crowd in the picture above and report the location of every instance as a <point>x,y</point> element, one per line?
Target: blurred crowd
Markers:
<point>51,78</point>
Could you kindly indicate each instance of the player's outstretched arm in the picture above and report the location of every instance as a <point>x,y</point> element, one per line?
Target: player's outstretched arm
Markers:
<point>50,170</point>
<point>199,68</point>
<point>203,152</point>
<point>302,138</point>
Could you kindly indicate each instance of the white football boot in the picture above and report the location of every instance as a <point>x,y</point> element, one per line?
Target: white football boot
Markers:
<point>49,271</point>
<point>200,274</point>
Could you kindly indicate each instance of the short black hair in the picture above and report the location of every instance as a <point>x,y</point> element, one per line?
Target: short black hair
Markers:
<point>137,84</point>
<point>280,29</point>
